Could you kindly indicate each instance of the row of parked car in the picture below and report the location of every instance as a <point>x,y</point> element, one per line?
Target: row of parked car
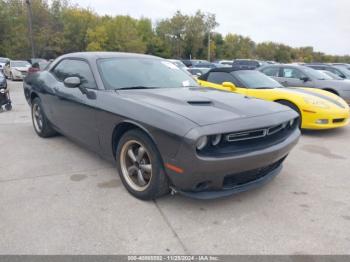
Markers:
<point>198,67</point>
<point>319,93</point>
<point>18,69</point>
<point>165,130</point>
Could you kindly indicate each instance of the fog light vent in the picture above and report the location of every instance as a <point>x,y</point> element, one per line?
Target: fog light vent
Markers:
<point>322,121</point>
<point>202,186</point>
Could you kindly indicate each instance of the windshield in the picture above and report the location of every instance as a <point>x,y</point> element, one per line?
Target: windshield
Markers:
<point>255,79</point>
<point>43,65</point>
<point>119,73</point>
<point>20,64</point>
<point>3,60</point>
<point>314,74</point>
<point>343,70</point>
<point>330,74</point>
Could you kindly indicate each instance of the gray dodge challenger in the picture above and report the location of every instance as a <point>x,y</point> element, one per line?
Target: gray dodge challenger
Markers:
<point>163,131</point>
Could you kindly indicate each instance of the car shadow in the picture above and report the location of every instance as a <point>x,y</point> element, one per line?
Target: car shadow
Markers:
<point>324,133</point>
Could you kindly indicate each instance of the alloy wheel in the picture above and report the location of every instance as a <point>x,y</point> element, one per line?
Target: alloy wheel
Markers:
<point>136,165</point>
<point>37,118</point>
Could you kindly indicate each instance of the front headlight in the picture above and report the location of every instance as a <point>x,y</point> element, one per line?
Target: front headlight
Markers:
<point>202,142</point>
<point>315,102</point>
<point>215,140</point>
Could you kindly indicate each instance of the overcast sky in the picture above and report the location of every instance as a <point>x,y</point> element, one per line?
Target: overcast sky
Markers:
<point>323,24</point>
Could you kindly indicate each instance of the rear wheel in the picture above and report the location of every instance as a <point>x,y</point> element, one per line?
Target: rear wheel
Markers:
<point>294,107</point>
<point>40,123</point>
<point>140,166</point>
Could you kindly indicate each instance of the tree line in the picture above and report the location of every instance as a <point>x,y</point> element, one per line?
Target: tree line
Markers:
<point>61,27</point>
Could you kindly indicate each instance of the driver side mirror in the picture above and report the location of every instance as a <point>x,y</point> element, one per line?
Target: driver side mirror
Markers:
<point>229,85</point>
<point>72,82</point>
<point>304,79</point>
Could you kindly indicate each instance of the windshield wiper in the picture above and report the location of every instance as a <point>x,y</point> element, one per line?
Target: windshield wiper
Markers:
<point>264,87</point>
<point>136,87</point>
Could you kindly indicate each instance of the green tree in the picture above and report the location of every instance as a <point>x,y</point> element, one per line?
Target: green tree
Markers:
<point>237,46</point>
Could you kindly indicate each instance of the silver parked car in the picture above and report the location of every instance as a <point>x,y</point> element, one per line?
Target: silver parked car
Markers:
<point>16,69</point>
<point>302,76</point>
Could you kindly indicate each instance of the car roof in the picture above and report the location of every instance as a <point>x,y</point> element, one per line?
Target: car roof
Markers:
<point>99,55</point>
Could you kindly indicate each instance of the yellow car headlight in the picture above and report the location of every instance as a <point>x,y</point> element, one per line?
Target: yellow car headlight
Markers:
<point>315,102</point>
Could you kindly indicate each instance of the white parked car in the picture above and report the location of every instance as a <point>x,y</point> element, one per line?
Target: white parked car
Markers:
<point>3,61</point>
<point>16,69</point>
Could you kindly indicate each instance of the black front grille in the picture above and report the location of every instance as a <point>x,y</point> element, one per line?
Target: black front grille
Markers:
<point>233,180</point>
<point>250,140</point>
<point>258,133</point>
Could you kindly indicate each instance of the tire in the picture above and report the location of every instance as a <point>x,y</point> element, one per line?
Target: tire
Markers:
<point>294,107</point>
<point>143,183</point>
<point>8,107</point>
<point>41,124</point>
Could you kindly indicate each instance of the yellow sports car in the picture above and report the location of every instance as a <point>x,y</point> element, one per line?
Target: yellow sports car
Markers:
<point>318,109</point>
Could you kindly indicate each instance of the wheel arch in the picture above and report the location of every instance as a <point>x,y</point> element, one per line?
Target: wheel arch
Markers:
<point>125,126</point>
<point>33,95</point>
<point>331,90</point>
<point>286,100</point>
<point>300,112</point>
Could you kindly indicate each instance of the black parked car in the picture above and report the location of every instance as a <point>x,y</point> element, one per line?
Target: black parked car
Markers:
<point>161,128</point>
<point>197,63</point>
<point>247,63</point>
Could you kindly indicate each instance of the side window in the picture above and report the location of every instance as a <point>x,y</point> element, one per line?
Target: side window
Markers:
<point>220,77</point>
<point>78,68</point>
<point>292,73</point>
<point>271,71</point>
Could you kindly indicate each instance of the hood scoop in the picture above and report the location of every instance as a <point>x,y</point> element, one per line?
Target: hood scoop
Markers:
<point>199,102</point>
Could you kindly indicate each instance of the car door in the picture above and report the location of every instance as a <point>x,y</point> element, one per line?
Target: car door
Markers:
<point>291,76</point>
<point>74,112</point>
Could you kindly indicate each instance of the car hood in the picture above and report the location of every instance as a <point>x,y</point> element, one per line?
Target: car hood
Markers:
<point>203,106</point>
<point>314,94</point>
<point>21,68</point>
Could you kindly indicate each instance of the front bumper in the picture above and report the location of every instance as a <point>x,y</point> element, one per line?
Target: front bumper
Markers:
<point>336,119</point>
<point>206,177</point>
<point>18,75</point>
<point>235,189</point>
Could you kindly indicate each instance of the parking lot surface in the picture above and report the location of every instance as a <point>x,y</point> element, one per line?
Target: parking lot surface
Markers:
<point>58,198</point>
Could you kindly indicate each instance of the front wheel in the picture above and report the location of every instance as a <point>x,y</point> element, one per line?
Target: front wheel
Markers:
<point>8,107</point>
<point>140,166</point>
<point>40,123</point>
